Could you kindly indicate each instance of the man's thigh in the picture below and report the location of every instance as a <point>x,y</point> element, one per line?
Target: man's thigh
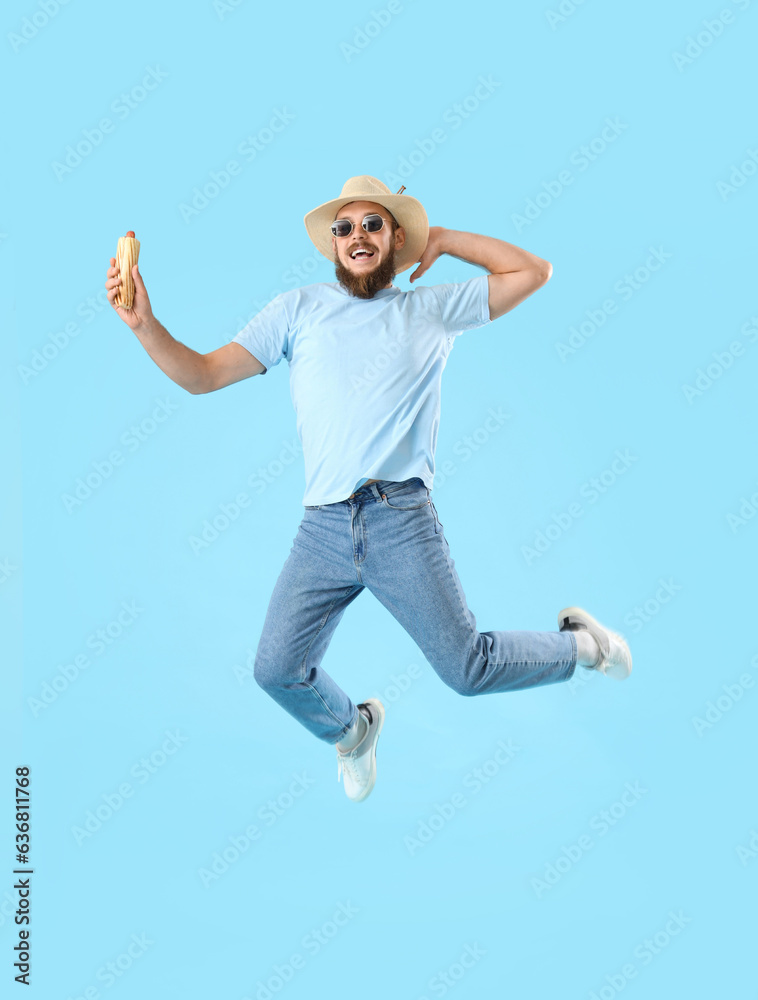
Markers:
<point>314,587</point>
<point>410,570</point>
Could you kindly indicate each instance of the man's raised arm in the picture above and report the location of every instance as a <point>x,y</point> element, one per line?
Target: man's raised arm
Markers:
<point>514,273</point>
<point>197,373</point>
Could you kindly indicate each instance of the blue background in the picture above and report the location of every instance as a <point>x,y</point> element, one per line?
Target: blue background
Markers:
<point>505,875</point>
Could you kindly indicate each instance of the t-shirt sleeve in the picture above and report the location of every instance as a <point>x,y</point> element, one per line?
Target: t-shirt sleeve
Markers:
<point>266,336</point>
<point>464,305</point>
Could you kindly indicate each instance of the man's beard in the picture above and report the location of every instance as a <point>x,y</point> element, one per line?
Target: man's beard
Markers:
<point>365,286</point>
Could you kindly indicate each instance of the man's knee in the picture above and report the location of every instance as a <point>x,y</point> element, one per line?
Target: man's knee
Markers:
<point>273,671</point>
<point>462,685</point>
<point>264,676</point>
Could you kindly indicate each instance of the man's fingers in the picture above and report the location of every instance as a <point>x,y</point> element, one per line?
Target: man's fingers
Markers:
<point>139,284</point>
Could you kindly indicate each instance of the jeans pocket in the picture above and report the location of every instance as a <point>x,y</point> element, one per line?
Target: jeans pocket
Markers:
<point>408,498</point>
<point>317,507</point>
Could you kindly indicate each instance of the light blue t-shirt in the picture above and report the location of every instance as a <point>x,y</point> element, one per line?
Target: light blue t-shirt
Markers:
<point>365,375</point>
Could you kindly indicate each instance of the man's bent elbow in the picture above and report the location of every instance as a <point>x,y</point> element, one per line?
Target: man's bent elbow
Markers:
<point>201,383</point>
<point>197,387</point>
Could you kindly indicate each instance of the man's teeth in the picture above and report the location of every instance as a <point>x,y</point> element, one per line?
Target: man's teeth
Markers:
<point>356,253</point>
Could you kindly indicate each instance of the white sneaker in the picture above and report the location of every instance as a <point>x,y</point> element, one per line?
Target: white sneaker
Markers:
<point>615,658</point>
<point>359,764</point>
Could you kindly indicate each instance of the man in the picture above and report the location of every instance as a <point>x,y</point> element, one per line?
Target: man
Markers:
<point>365,364</point>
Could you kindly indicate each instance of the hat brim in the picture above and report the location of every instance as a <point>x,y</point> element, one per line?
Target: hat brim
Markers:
<point>409,212</point>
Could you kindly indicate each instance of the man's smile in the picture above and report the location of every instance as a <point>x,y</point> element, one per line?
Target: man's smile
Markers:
<point>361,253</point>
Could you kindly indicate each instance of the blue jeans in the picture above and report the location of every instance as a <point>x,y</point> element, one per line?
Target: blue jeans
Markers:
<point>387,537</point>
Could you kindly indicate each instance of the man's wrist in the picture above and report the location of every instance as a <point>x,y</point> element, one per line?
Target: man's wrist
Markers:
<point>452,241</point>
<point>148,328</point>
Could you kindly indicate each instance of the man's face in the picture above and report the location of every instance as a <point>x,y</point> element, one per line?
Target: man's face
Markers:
<point>363,276</point>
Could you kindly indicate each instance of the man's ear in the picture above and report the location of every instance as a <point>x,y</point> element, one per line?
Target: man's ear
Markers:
<point>399,238</point>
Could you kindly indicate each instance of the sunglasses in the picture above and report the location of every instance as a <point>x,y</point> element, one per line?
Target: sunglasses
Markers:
<point>343,227</point>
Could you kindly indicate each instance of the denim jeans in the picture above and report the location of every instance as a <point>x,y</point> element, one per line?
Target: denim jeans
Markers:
<point>387,537</point>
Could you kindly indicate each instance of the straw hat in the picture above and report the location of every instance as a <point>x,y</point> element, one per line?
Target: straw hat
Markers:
<point>408,211</point>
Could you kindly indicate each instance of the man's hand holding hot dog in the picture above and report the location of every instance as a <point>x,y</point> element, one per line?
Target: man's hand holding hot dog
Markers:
<point>186,367</point>
<point>140,313</point>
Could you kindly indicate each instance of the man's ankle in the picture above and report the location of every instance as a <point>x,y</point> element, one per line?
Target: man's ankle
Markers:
<point>354,734</point>
<point>587,649</point>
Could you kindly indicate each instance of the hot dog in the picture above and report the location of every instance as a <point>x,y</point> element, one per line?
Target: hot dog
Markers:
<point>127,256</point>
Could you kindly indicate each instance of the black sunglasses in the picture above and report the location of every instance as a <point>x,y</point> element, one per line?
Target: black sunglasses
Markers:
<point>343,227</point>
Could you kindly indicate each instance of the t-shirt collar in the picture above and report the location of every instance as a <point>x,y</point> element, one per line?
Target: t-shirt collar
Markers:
<point>392,290</point>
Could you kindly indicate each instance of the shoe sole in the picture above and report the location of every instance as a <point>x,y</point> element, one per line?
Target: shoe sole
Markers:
<point>377,712</point>
<point>574,615</point>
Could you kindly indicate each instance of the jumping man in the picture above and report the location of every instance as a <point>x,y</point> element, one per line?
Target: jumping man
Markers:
<point>365,367</point>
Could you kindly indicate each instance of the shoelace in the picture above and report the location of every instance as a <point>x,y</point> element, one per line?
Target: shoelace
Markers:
<point>346,763</point>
